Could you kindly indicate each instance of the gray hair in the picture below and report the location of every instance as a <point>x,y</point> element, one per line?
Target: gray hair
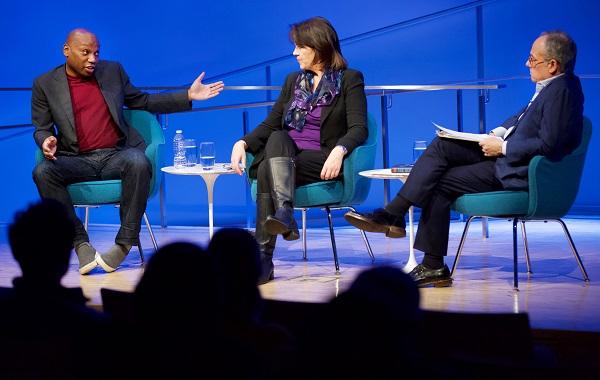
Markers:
<point>561,47</point>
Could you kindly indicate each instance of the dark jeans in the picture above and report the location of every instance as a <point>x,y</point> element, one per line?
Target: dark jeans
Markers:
<point>309,163</point>
<point>130,165</point>
<point>447,170</point>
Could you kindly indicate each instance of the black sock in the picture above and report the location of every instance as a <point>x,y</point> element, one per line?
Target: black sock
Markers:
<point>398,206</point>
<point>433,262</point>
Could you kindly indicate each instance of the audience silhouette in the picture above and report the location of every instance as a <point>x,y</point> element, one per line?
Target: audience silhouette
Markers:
<point>47,327</point>
<point>369,330</point>
<point>237,261</point>
<point>236,257</point>
<point>177,312</point>
<point>199,313</point>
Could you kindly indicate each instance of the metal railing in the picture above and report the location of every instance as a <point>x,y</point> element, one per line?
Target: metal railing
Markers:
<point>385,92</point>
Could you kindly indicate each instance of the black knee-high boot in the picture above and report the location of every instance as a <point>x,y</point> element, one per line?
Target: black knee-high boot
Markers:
<point>282,177</point>
<point>266,241</point>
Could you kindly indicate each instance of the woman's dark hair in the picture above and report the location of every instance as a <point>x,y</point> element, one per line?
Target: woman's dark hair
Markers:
<point>317,33</point>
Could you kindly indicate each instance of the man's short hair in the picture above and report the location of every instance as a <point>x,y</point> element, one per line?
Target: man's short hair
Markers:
<point>561,47</point>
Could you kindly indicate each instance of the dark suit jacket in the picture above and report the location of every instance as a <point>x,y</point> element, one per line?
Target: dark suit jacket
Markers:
<point>343,122</point>
<point>51,105</point>
<point>551,127</point>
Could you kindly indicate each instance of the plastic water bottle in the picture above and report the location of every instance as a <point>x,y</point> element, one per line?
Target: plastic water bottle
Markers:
<point>178,150</point>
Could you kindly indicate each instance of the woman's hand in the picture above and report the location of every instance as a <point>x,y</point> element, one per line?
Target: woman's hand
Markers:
<point>333,164</point>
<point>238,154</point>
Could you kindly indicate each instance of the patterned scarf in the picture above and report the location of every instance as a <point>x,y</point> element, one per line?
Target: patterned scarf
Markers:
<point>305,100</point>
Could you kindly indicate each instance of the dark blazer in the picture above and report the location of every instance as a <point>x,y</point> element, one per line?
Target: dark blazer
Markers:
<point>51,105</point>
<point>343,122</point>
<point>552,126</point>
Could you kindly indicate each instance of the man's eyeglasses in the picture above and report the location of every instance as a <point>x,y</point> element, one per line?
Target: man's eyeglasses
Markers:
<point>533,62</point>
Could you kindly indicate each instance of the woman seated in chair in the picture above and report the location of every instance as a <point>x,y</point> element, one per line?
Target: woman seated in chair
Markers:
<point>319,117</point>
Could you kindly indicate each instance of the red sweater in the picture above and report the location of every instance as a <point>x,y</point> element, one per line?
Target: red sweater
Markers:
<point>94,125</point>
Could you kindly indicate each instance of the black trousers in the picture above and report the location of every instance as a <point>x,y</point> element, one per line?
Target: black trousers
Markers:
<point>309,163</point>
<point>448,169</point>
<point>130,165</point>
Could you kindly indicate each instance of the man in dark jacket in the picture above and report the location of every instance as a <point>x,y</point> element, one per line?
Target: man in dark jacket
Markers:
<point>550,125</point>
<point>77,111</point>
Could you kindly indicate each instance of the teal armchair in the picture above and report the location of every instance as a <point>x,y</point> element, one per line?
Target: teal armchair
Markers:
<point>97,193</point>
<point>335,195</point>
<point>552,190</point>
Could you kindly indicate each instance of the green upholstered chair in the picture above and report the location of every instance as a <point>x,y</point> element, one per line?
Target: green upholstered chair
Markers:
<point>552,190</point>
<point>335,195</point>
<point>96,193</point>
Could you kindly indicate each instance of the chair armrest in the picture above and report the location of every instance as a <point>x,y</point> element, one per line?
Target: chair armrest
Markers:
<point>155,154</point>
<point>249,160</point>
<point>39,156</point>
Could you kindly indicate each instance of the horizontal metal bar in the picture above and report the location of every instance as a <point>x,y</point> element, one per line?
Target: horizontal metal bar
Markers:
<point>370,91</point>
<point>13,126</point>
<point>246,88</point>
<point>402,87</point>
<point>226,88</point>
<point>453,86</point>
<point>15,89</point>
<point>434,87</point>
<point>233,106</point>
<point>16,134</point>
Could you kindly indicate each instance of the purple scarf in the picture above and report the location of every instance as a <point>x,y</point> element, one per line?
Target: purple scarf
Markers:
<point>305,100</point>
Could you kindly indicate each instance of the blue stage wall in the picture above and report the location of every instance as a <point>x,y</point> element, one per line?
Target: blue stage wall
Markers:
<point>169,43</point>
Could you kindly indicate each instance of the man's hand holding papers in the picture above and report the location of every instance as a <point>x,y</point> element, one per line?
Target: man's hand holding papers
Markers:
<point>450,134</point>
<point>491,144</point>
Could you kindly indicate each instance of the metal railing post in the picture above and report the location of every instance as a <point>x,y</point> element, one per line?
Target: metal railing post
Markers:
<point>249,205</point>
<point>268,83</point>
<point>385,145</point>
<point>163,119</point>
<point>459,126</point>
<point>485,231</point>
<point>459,110</point>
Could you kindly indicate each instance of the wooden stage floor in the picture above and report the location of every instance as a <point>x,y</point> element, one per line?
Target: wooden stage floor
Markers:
<point>555,296</point>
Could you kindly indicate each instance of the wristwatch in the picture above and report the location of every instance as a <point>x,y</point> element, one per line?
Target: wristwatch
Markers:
<point>343,148</point>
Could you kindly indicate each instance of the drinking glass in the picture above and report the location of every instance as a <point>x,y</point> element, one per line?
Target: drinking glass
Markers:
<point>207,155</point>
<point>419,147</point>
<point>191,152</point>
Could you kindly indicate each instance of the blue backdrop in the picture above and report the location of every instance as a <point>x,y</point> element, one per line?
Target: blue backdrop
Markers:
<point>169,43</point>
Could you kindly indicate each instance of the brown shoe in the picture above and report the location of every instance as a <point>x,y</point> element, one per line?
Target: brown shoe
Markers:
<point>379,221</point>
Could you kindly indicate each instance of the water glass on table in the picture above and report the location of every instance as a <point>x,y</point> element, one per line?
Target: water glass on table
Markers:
<point>419,147</point>
<point>207,155</point>
<point>191,152</point>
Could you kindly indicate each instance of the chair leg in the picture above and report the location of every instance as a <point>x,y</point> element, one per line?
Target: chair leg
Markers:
<point>335,256</point>
<point>141,251</point>
<point>526,245</point>
<point>574,250</point>
<point>485,228</point>
<point>86,220</point>
<point>152,237</point>
<point>515,272</point>
<point>461,244</point>
<point>368,245</point>
<point>304,234</point>
<point>364,236</point>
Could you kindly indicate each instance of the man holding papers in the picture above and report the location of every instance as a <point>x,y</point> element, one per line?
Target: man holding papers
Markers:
<point>550,125</point>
